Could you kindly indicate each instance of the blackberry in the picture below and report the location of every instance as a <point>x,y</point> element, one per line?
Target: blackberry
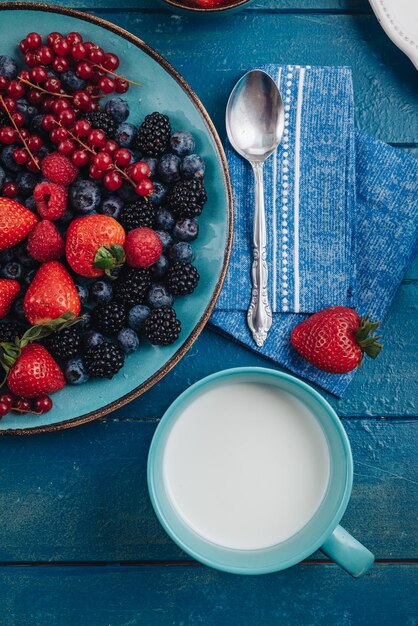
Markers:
<point>101,119</point>
<point>64,344</point>
<point>162,327</point>
<point>153,138</point>
<point>104,360</point>
<point>186,198</point>
<point>137,214</point>
<point>9,331</point>
<point>182,278</point>
<point>132,285</point>
<point>110,317</point>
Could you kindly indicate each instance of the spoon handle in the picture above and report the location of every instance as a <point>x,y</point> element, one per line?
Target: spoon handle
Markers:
<point>259,313</point>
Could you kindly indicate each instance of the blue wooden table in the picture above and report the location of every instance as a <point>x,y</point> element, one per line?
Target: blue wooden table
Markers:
<point>79,543</point>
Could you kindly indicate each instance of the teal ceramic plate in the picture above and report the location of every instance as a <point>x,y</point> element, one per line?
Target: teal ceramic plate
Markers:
<point>163,90</point>
<point>232,6</point>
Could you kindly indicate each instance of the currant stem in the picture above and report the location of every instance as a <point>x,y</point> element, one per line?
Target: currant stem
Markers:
<point>100,67</point>
<point>18,132</point>
<point>42,90</point>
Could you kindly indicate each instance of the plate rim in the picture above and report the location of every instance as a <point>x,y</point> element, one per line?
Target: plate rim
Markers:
<point>186,345</point>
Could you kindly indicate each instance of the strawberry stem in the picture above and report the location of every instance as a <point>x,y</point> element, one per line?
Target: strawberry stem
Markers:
<point>366,339</point>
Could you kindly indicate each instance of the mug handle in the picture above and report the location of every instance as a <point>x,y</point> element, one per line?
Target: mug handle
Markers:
<point>348,553</point>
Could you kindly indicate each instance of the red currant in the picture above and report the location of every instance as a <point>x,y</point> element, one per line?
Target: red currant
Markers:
<point>33,41</point>
<point>61,47</point>
<point>144,187</point>
<point>31,59</point>
<point>44,55</point>
<point>97,138</point>
<point>24,75</point>
<point>16,89</point>
<point>24,134</point>
<point>18,118</point>
<point>23,46</point>
<point>58,134</point>
<point>60,64</point>
<point>4,409</point>
<point>35,96</point>
<point>60,105</point>
<point>20,156</point>
<point>111,61</point>
<point>49,122</point>
<point>35,143</point>
<point>78,51</point>
<point>84,70</point>
<point>112,180</point>
<point>3,83</point>
<point>122,157</point>
<point>111,146</point>
<point>102,160</point>
<point>80,158</point>
<point>47,104</point>
<point>74,38</point>
<point>67,146</point>
<point>52,37</point>
<point>82,100</point>
<point>121,85</point>
<point>7,135</point>
<point>7,398</point>
<point>22,405</point>
<point>10,190</point>
<point>139,171</point>
<point>38,74</point>
<point>89,45</point>
<point>34,165</point>
<point>96,55</point>
<point>10,104</point>
<point>82,128</point>
<point>95,172</point>
<point>66,117</point>
<point>53,84</point>
<point>107,85</point>
<point>43,404</point>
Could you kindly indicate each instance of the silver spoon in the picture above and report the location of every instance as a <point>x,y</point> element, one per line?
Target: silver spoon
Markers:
<point>254,123</point>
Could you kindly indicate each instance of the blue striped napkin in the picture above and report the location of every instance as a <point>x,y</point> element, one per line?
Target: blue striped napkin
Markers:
<point>384,217</point>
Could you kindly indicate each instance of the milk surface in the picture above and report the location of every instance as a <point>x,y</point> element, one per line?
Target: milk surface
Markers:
<point>246,465</point>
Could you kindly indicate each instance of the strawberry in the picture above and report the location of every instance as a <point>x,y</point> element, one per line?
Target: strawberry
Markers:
<point>8,292</point>
<point>51,293</point>
<point>45,242</point>
<point>51,200</point>
<point>143,247</point>
<point>16,221</point>
<point>58,169</point>
<point>35,373</point>
<point>94,245</point>
<point>335,339</point>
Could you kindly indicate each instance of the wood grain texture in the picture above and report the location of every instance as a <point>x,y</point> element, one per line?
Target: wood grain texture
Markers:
<point>306,595</point>
<point>81,495</point>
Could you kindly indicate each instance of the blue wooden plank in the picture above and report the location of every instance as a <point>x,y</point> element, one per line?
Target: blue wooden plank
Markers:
<point>307,595</point>
<point>81,495</point>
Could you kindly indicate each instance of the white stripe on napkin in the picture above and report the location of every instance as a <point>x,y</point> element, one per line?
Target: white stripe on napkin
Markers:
<point>296,277</point>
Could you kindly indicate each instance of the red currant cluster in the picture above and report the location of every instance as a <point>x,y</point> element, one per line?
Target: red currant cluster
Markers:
<point>8,403</point>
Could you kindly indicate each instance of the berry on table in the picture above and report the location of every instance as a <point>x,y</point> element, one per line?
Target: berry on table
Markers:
<point>12,270</point>
<point>153,138</point>
<point>169,168</point>
<point>132,285</point>
<point>8,67</point>
<point>187,198</point>
<point>35,373</point>
<point>186,230</point>
<point>110,317</point>
<point>45,242</point>
<point>159,193</point>
<point>162,327</point>
<point>9,331</point>
<point>166,239</point>
<point>125,134</point>
<point>159,296</point>
<point>160,267</point>
<point>137,316</point>
<point>104,121</point>
<point>182,143</point>
<point>85,196</point>
<point>101,291</point>
<point>118,109</point>
<point>16,222</point>
<point>181,251</point>
<point>93,338</point>
<point>58,169</point>
<point>164,219</point>
<point>142,247</point>
<point>104,360</point>
<point>137,214</point>
<point>76,372</point>
<point>64,344</point>
<point>112,207</point>
<point>128,340</point>
<point>192,166</point>
<point>43,404</point>
<point>9,290</point>
<point>22,405</point>
<point>182,278</point>
<point>51,200</point>
<point>83,293</point>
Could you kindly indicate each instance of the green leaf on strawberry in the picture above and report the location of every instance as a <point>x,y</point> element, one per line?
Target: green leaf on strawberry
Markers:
<point>108,258</point>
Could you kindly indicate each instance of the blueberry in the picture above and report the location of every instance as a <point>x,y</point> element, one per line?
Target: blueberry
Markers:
<point>2,176</point>
<point>19,310</point>
<point>160,267</point>
<point>30,203</point>
<point>182,143</point>
<point>159,193</point>
<point>7,255</point>
<point>181,251</point>
<point>125,134</point>
<point>128,193</point>
<point>36,127</point>
<point>128,340</point>
<point>65,219</point>
<point>30,275</point>
<point>112,206</point>
<point>24,257</point>
<point>192,166</point>
<point>158,296</point>
<point>8,67</point>
<point>71,81</point>
<point>27,183</point>
<point>101,291</point>
<point>26,109</point>
<point>186,230</point>
<point>75,371</point>
<point>164,219</point>
<point>169,168</point>
<point>118,109</point>
<point>83,293</point>
<point>152,164</point>
<point>93,338</point>
<point>165,237</point>
<point>12,270</point>
<point>7,159</point>
<point>85,196</point>
<point>137,316</point>
<point>86,320</point>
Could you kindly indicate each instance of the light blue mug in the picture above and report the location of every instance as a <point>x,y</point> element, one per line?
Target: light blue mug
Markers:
<point>321,532</point>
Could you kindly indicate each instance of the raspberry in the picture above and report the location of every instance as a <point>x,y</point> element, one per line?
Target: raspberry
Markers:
<point>51,200</point>
<point>58,169</point>
<point>45,242</point>
<point>142,247</point>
